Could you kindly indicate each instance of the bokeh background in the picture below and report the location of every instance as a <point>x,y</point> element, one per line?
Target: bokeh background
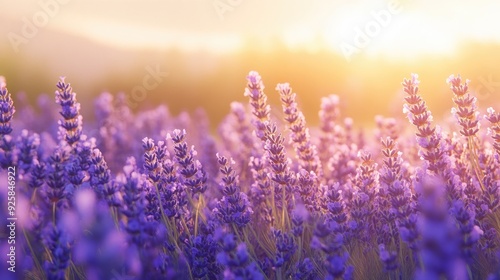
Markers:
<point>208,47</point>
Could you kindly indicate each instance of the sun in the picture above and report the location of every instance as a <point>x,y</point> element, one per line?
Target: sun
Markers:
<point>394,31</point>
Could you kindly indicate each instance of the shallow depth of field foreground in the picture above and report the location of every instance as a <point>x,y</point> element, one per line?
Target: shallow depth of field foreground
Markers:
<point>149,195</point>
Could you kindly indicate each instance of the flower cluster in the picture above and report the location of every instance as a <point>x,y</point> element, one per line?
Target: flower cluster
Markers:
<point>156,196</point>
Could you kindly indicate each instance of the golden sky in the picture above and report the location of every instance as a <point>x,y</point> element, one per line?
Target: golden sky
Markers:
<point>422,26</point>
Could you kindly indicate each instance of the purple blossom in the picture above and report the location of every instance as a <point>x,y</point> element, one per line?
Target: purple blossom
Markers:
<point>194,176</point>
<point>305,150</point>
<point>281,175</point>
<point>27,147</point>
<point>236,260</point>
<point>466,110</point>
<point>258,100</point>
<point>58,244</point>
<point>234,207</point>
<point>328,115</point>
<point>71,124</point>
<point>285,247</point>
<point>494,118</point>
<point>337,213</point>
<point>7,110</point>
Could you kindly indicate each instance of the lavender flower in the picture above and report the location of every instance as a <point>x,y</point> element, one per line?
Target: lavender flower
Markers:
<point>261,190</point>
<point>258,100</point>
<point>440,241</point>
<point>335,205</point>
<point>137,227</point>
<point>429,138</point>
<point>388,258</point>
<point>183,214</point>
<point>237,138</point>
<point>470,233</point>
<point>38,174</point>
<point>494,118</point>
<point>99,172</point>
<point>27,146</point>
<point>234,207</point>
<point>56,178</point>
<point>304,149</point>
<point>191,170</point>
<point>466,110</point>
<point>58,243</point>
<point>308,189</point>
<point>236,260</point>
<point>71,124</point>
<point>7,110</point>
<point>282,176</point>
<point>285,247</point>
<point>386,127</point>
<point>203,257</point>
<point>328,115</point>
<point>331,243</point>
<point>305,270</point>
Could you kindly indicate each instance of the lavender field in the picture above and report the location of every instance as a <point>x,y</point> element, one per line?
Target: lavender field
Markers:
<point>152,195</point>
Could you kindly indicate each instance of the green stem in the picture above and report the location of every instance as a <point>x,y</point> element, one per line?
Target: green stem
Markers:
<point>54,213</point>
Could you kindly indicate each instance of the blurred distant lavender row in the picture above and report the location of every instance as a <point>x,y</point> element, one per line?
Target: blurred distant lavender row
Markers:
<point>156,196</point>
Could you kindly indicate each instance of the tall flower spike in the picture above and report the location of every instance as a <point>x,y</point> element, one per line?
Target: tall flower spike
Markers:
<point>328,116</point>
<point>27,146</point>
<point>236,260</point>
<point>494,118</point>
<point>99,172</point>
<point>234,207</point>
<point>466,110</point>
<point>237,138</point>
<point>300,137</point>
<point>7,110</point>
<point>191,170</point>
<point>57,242</point>
<point>428,137</point>
<point>280,166</point>
<point>258,100</point>
<point>71,124</point>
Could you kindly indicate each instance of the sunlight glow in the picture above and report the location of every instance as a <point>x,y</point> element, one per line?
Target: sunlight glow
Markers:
<point>393,28</point>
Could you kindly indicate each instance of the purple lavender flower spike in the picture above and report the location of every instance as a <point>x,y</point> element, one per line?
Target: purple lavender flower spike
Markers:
<point>57,180</point>
<point>328,115</point>
<point>285,247</point>
<point>191,170</point>
<point>236,134</point>
<point>305,270</point>
<point>388,258</point>
<point>258,100</point>
<point>134,205</point>
<point>99,173</point>
<point>203,257</point>
<point>494,119</point>
<point>57,242</point>
<point>282,176</point>
<point>71,124</point>
<point>466,110</point>
<point>305,150</point>
<point>7,110</point>
<point>236,260</point>
<point>27,146</point>
<point>433,148</point>
<point>440,244</point>
<point>234,207</point>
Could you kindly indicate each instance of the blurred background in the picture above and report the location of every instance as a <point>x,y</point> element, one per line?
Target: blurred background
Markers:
<point>192,53</point>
